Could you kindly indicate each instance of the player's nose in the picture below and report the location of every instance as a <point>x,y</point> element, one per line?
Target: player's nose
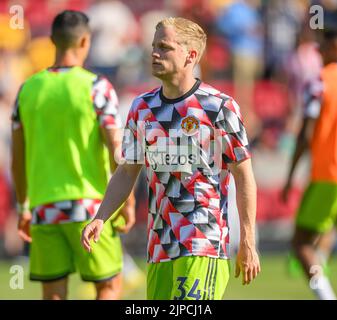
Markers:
<point>155,54</point>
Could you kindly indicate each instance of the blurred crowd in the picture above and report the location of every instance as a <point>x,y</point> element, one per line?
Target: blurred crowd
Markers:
<point>262,52</point>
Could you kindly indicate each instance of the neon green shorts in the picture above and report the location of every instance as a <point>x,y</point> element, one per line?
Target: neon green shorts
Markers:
<point>318,209</point>
<point>56,251</point>
<point>188,278</point>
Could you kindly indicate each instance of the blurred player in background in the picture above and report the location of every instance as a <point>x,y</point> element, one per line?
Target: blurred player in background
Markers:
<point>62,118</point>
<point>187,226</point>
<point>317,214</point>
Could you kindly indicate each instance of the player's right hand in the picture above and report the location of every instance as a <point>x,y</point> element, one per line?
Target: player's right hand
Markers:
<point>24,226</point>
<point>92,230</point>
<point>129,215</point>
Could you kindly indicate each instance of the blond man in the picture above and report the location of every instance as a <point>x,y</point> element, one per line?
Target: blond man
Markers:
<point>189,135</point>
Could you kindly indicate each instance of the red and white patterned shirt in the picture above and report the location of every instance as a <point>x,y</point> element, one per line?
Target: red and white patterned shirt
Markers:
<point>186,145</point>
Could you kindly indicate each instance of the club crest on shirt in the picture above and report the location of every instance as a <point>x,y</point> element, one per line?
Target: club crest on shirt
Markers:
<point>147,122</point>
<point>190,125</point>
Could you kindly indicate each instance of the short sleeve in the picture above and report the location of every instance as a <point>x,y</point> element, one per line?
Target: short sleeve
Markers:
<point>312,99</point>
<point>232,133</point>
<point>133,146</point>
<point>106,103</point>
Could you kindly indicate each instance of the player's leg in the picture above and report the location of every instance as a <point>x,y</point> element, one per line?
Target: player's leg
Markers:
<point>55,290</point>
<point>103,265</point>
<point>304,243</point>
<point>325,246</point>
<point>50,260</point>
<point>304,246</point>
<point>315,221</point>
<point>199,278</point>
<point>110,289</point>
<point>323,249</point>
<point>159,280</point>
<point>315,218</point>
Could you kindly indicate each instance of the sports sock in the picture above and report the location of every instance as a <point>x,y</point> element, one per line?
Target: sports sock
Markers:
<point>321,287</point>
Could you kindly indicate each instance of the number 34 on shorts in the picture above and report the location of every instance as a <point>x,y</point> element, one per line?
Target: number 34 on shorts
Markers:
<point>194,293</point>
<point>206,280</point>
<point>188,278</point>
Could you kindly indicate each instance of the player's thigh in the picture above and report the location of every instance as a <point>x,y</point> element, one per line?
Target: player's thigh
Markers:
<point>159,280</point>
<point>199,278</point>
<point>50,253</point>
<point>318,208</point>
<point>105,259</point>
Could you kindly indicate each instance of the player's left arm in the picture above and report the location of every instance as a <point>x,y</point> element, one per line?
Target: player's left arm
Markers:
<point>19,177</point>
<point>247,261</point>
<point>236,158</point>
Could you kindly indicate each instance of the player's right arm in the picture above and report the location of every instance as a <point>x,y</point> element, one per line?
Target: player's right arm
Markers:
<point>119,188</point>
<point>312,108</point>
<point>302,144</point>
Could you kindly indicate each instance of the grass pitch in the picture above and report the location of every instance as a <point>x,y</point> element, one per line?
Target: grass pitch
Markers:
<point>274,283</point>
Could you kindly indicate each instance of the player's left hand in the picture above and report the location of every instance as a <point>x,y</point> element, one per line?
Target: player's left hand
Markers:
<point>128,212</point>
<point>285,192</point>
<point>24,226</point>
<point>247,263</point>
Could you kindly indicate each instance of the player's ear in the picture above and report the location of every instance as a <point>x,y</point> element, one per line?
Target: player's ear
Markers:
<point>192,56</point>
<point>84,41</point>
<point>53,39</point>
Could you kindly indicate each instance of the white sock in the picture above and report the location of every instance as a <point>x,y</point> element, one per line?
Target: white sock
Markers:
<point>321,286</point>
<point>322,257</point>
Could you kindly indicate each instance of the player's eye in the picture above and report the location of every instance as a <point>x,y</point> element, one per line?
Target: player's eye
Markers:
<point>164,47</point>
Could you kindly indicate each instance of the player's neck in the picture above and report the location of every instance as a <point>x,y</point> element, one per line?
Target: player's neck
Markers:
<point>177,87</point>
<point>68,58</point>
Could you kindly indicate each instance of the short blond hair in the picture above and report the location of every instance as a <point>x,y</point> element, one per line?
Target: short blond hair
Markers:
<point>189,33</point>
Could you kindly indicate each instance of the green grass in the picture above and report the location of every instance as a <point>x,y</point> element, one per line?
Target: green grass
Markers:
<point>274,282</point>
<point>77,290</point>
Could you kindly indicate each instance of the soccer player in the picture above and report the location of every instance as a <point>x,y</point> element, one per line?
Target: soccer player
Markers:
<point>317,213</point>
<point>189,135</point>
<point>62,118</point>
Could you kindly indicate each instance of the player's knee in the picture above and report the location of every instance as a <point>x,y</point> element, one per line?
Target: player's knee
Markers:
<point>302,247</point>
<point>295,244</point>
<point>110,289</point>
<point>298,245</point>
<point>54,291</point>
<point>303,239</point>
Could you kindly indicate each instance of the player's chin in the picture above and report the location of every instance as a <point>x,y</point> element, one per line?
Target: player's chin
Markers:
<point>158,74</point>
<point>156,70</point>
